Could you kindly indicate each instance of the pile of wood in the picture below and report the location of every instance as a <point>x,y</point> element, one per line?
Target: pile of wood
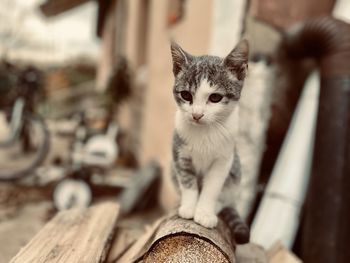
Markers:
<point>77,235</point>
<point>91,235</point>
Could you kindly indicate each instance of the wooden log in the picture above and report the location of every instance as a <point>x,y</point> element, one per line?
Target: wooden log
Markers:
<point>173,239</point>
<point>251,253</point>
<point>278,253</point>
<point>77,235</point>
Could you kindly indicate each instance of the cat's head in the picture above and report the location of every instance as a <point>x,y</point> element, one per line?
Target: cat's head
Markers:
<point>207,88</point>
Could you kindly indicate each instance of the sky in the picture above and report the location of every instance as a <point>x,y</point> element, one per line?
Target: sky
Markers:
<point>27,35</point>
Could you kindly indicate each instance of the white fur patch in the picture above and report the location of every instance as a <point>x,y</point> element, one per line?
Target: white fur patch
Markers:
<point>214,135</point>
<point>210,144</point>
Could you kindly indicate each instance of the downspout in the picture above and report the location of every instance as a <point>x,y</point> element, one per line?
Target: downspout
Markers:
<point>326,228</point>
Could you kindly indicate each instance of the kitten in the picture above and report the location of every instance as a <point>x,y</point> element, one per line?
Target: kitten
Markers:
<point>206,165</point>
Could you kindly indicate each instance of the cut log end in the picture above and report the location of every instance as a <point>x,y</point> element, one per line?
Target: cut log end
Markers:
<point>179,240</point>
<point>185,248</point>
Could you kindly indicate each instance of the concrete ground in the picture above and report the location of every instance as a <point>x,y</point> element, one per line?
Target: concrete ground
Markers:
<point>19,224</point>
<point>22,212</point>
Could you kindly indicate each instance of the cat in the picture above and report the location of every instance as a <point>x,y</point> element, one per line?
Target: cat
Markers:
<point>205,161</point>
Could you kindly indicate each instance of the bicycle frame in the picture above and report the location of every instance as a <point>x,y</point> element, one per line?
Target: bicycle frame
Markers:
<point>16,122</point>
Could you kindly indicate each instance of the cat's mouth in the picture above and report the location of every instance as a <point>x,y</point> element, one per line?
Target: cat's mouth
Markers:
<point>196,122</point>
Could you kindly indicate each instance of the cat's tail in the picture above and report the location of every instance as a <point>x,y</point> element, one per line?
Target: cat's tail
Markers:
<point>239,229</point>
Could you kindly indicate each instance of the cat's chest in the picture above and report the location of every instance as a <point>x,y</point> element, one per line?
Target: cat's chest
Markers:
<point>202,160</point>
<point>204,147</point>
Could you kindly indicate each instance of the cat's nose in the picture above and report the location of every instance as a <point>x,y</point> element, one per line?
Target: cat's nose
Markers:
<point>197,116</point>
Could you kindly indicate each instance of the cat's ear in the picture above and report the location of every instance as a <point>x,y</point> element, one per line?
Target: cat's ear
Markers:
<point>180,58</point>
<point>237,60</point>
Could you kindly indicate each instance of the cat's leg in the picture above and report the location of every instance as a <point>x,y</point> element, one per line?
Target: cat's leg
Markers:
<point>189,198</point>
<point>186,177</point>
<point>213,183</point>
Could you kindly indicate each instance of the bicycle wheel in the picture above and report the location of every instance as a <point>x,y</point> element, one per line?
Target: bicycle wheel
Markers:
<point>71,193</point>
<point>16,163</point>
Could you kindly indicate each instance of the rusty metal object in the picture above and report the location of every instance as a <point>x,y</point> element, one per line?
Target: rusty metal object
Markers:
<point>326,228</point>
<point>283,14</point>
<point>327,39</point>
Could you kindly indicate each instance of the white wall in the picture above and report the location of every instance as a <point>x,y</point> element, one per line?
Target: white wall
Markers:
<point>26,34</point>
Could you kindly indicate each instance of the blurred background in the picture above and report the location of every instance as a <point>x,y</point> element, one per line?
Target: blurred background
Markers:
<point>87,114</point>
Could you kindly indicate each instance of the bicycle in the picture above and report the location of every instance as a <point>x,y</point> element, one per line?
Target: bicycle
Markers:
<point>28,136</point>
<point>91,154</point>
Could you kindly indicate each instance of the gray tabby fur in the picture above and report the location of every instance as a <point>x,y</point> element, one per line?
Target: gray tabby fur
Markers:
<point>224,76</point>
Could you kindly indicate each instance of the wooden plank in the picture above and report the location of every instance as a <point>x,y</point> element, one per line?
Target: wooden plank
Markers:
<point>131,230</point>
<point>56,7</point>
<point>278,253</point>
<point>141,245</point>
<point>227,25</point>
<point>123,241</point>
<point>251,253</point>
<point>108,48</point>
<point>74,236</point>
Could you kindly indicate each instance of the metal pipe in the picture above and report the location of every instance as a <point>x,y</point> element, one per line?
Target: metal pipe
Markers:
<point>326,230</point>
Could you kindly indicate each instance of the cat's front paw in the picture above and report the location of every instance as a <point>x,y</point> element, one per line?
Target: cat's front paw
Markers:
<point>186,212</point>
<point>205,218</point>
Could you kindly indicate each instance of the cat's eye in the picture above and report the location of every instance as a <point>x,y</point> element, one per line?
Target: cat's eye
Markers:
<point>186,95</point>
<point>215,97</point>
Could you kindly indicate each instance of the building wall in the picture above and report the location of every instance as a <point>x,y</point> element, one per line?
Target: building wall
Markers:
<point>193,34</point>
